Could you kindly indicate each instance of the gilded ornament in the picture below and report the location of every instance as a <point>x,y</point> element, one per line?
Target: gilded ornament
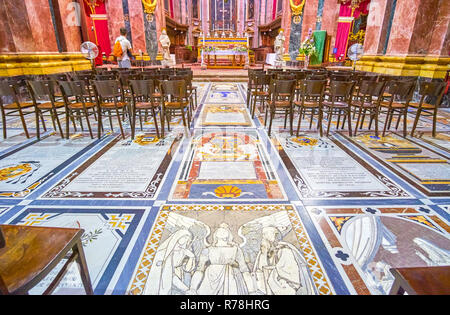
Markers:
<point>149,6</point>
<point>297,9</point>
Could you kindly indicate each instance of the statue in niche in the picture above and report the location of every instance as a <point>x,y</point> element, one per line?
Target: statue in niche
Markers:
<point>165,44</point>
<point>279,49</point>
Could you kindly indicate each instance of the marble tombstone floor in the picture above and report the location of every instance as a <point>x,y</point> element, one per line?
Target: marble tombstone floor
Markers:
<point>224,209</point>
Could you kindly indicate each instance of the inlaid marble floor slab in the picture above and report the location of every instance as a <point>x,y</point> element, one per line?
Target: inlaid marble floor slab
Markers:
<point>221,208</point>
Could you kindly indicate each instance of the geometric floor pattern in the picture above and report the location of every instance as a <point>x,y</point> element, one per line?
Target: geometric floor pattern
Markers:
<point>223,208</point>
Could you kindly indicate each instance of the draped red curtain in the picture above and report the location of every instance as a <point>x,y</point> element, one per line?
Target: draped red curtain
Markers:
<point>344,27</point>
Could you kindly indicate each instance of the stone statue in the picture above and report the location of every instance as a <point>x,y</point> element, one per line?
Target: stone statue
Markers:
<point>165,44</point>
<point>279,49</point>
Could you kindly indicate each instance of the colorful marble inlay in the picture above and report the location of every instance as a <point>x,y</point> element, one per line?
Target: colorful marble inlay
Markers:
<point>324,168</point>
<point>122,169</point>
<point>368,241</point>
<point>422,167</point>
<point>248,170</point>
<point>199,250</point>
<point>221,208</point>
<point>107,233</point>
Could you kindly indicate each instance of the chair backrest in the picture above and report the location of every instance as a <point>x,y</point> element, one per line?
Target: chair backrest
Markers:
<point>282,89</point>
<point>174,88</point>
<point>73,88</point>
<point>402,90</point>
<point>370,88</point>
<point>316,77</point>
<point>8,91</point>
<point>41,88</point>
<point>433,90</point>
<point>341,89</point>
<point>261,79</point>
<point>285,76</point>
<point>59,77</point>
<point>340,77</point>
<point>144,88</point>
<point>106,76</point>
<point>300,75</point>
<point>107,88</point>
<point>313,88</point>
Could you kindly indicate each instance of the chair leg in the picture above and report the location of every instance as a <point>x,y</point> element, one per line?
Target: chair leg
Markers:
<point>84,272</point>
<point>375,115</point>
<point>349,121</point>
<point>330,116</point>
<point>156,122</point>
<point>4,123</point>
<point>59,124</point>
<point>358,120</point>
<point>386,121</point>
<point>272,113</point>
<point>120,122</point>
<point>405,119</point>
<point>433,133</point>
<point>416,120</point>
<point>320,122</point>
<point>299,120</point>
<point>313,111</point>
<point>86,114</point>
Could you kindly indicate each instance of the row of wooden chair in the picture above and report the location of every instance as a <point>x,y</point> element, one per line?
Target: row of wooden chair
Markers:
<point>82,97</point>
<point>359,94</point>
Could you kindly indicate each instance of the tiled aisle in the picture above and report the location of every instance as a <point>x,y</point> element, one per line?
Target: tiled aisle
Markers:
<point>224,209</point>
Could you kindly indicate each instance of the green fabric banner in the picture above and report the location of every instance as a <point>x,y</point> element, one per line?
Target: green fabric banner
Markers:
<point>319,42</point>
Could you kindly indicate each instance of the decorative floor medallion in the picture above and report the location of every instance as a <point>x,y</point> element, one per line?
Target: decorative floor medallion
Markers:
<point>229,250</point>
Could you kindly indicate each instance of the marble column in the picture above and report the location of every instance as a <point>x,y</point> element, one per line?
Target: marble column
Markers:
<point>404,21</point>
<point>19,25</point>
<point>70,24</point>
<point>377,26</point>
<point>286,23</point>
<point>42,29</point>
<point>295,36</point>
<point>309,17</point>
<point>440,40</point>
<point>330,16</point>
<point>423,26</point>
<point>137,25</point>
<point>6,37</point>
<point>114,12</point>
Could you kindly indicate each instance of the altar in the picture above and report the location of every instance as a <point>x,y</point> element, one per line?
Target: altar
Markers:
<point>223,53</point>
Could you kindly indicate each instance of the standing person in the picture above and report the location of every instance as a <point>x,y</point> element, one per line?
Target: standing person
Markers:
<point>124,60</point>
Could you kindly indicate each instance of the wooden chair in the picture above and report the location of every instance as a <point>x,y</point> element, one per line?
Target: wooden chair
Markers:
<point>261,82</point>
<point>187,78</point>
<point>30,253</point>
<point>399,95</point>
<point>175,98</point>
<point>106,76</point>
<point>143,92</point>
<point>281,98</point>
<point>46,89</point>
<point>109,100</point>
<point>14,108</point>
<point>250,86</point>
<point>433,91</point>
<point>311,100</point>
<point>368,99</point>
<point>433,280</point>
<point>339,103</point>
<point>78,104</point>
